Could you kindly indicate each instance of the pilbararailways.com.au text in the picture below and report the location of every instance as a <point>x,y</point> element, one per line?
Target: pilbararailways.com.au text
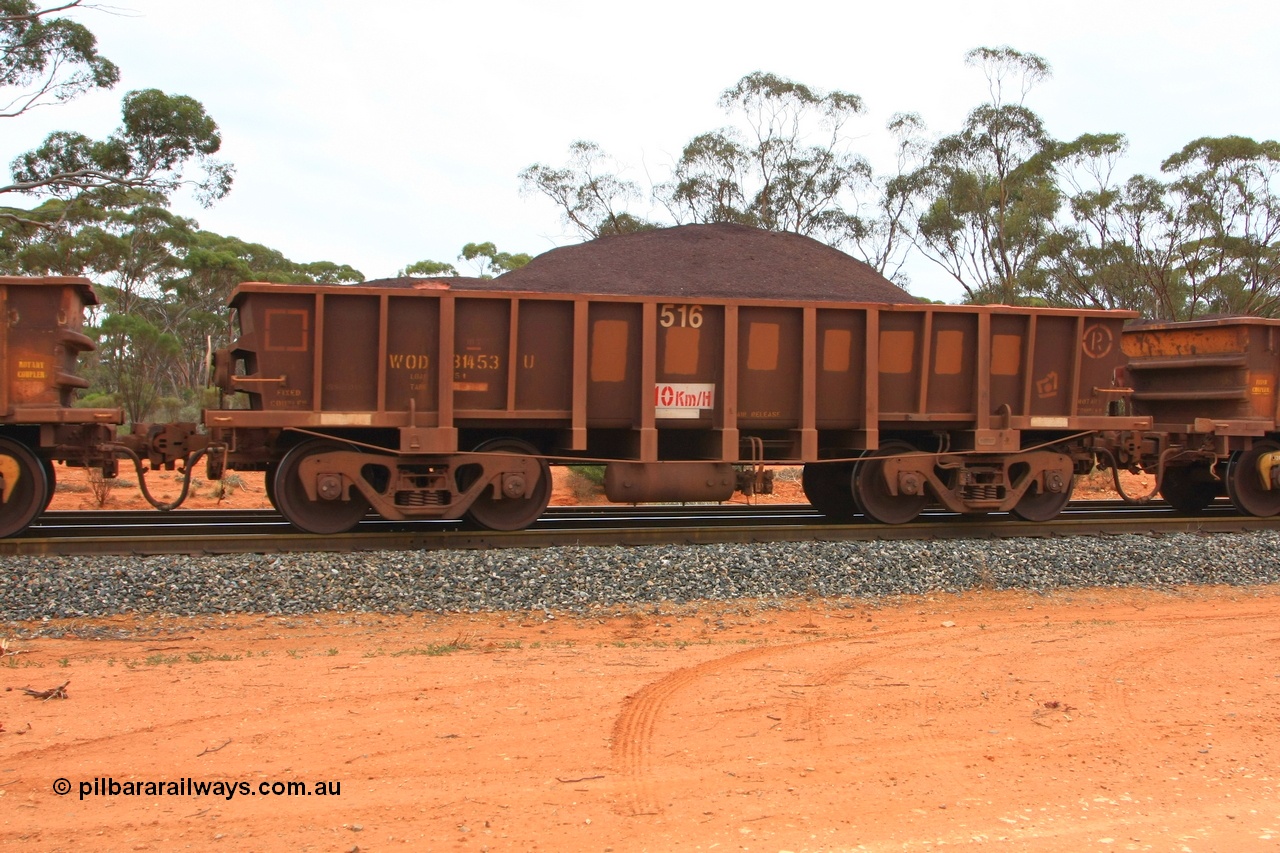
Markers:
<point>188,787</point>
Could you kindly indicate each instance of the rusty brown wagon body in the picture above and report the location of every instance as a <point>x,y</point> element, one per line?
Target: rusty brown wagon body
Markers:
<point>41,340</point>
<point>1209,387</point>
<point>432,401</point>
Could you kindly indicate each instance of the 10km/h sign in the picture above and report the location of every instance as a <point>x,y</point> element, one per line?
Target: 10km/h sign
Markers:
<point>683,399</point>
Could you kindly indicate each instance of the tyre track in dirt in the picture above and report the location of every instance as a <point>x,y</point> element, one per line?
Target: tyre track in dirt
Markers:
<point>635,739</point>
<point>634,736</point>
<point>633,728</point>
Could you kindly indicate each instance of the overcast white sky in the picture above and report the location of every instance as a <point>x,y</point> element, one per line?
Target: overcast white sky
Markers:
<point>385,132</point>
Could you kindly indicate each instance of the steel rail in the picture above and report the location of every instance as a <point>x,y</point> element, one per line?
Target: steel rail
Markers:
<point>198,532</point>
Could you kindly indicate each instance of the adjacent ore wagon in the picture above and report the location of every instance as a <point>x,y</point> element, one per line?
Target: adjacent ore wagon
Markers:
<point>431,401</point>
<point>1209,387</point>
<point>41,340</point>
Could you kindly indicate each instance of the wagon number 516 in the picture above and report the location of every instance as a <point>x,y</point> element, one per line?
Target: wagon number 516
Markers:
<point>680,315</point>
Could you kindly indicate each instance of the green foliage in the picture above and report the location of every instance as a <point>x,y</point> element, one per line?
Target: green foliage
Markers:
<point>1226,197</point>
<point>1004,66</point>
<point>327,272</point>
<point>430,269</point>
<point>1016,216</point>
<point>771,176</point>
<point>98,400</point>
<point>486,258</point>
<point>592,473</point>
<point>160,136</point>
<point>490,262</point>
<point>588,190</point>
<point>884,240</point>
<point>785,165</point>
<point>164,142</point>
<point>1202,241</point>
<point>45,59</point>
<point>132,352</point>
<point>989,193</point>
<point>164,287</point>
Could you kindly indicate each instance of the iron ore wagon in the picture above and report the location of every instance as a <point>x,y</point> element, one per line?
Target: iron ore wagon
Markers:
<point>429,401</point>
<point>41,340</point>
<point>1209,387</point>
<point>686,361</point>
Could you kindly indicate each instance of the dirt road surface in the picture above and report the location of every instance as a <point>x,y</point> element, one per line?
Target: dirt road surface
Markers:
<point>1089,720</point>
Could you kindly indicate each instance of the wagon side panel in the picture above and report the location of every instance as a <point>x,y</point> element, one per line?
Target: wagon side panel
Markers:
<point>350,338</point>
<point>1206,376</point>
<point>614,338</point>
<point>276,349</point>
<point>841,371</point>
<point>411,360</point>
<point>543,359</point>
<point>42,336</point>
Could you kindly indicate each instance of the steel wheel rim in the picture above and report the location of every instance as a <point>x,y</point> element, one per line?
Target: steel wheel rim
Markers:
<point>322,517</point>
<point>31,493</point>
<point>511,513</point>
<point>828,486</point>
<point>1043,506</point>
<point>871,492</point>
<point>1186,492</point>
<point>1243,486</point>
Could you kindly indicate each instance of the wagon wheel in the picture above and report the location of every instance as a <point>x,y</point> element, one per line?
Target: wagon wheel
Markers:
<point>314,516</point>
<point>1035,505</point>
<point>1244,483</point>
<point>829,488</point>
<point>1189,488</point>
<point>509,513</point>
<point>871,492</point>
<point>24,473</point>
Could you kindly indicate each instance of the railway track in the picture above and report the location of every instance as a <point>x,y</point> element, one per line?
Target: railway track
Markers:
<point>264,531</point>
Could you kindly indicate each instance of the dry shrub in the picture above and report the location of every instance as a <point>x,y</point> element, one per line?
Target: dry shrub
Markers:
<point>100,487</point>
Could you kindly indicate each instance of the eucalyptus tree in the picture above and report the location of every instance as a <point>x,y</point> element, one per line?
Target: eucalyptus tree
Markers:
<point>46,59</point>
<point>786,165</point>
<point>1117,243</point>
<point>883,238</point>
<point>165,285</point>
<point>132,249</point>
<point>159,138</point>
<point>490,262</point>
<point>429,268</point>
<point>589,190</point>
<point>1226,193</point>
<point>1202,240</point>
<point>987,193</point>
<point>485,257</point>
<point>164,142</point>
<point>133,353</point>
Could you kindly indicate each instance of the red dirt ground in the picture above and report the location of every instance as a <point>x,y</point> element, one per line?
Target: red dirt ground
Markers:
<point>1090,720</point>
<point>1083,720</point>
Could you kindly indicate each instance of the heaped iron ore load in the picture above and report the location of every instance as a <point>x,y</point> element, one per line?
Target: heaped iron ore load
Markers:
<point>686,361</point>
<point>704,261</point>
